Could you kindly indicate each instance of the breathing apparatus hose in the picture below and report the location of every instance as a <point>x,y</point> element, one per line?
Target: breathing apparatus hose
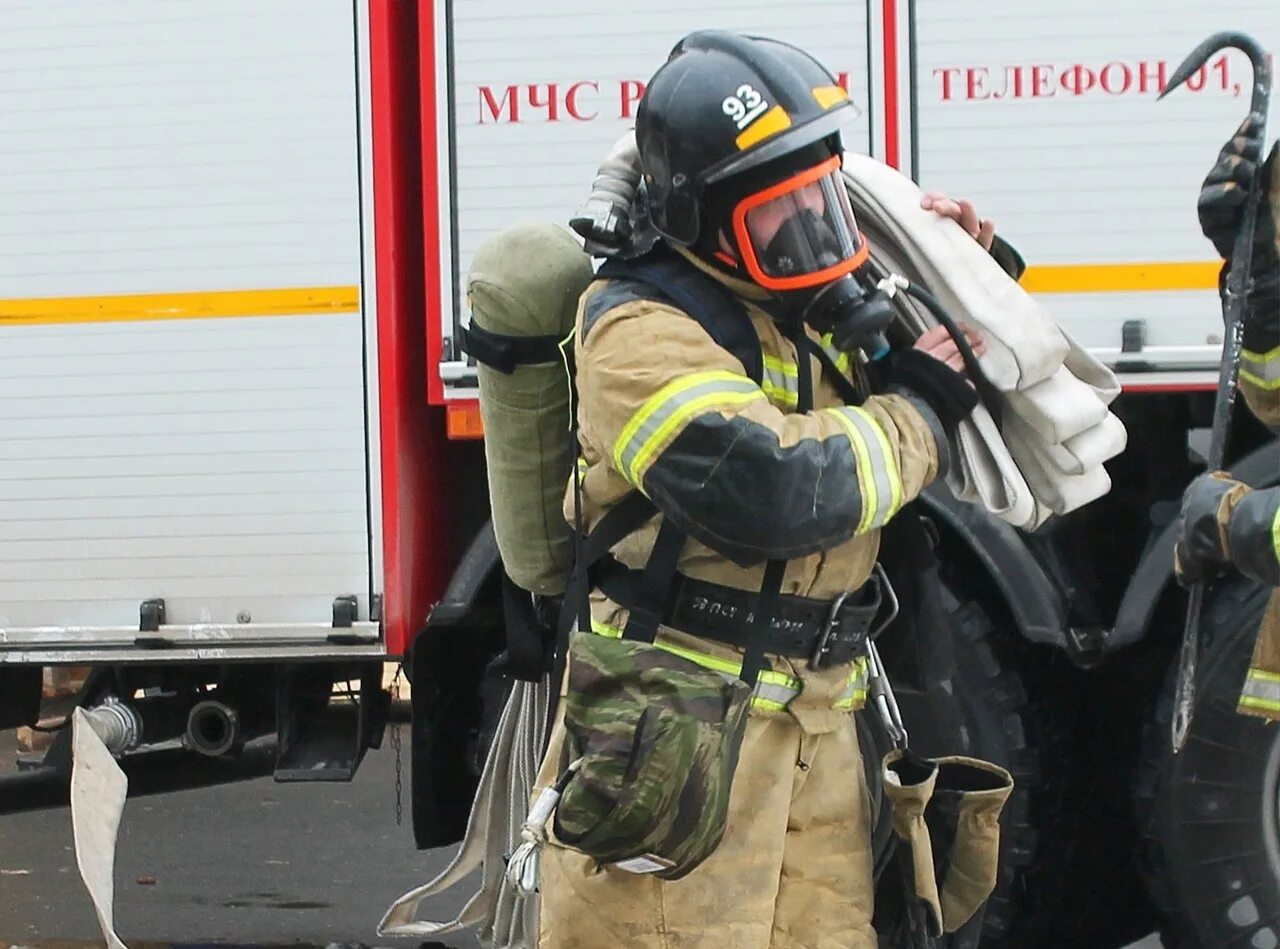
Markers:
<point>890,284</point>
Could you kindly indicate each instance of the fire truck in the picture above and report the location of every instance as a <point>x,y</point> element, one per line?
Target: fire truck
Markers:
<point>241,462</point>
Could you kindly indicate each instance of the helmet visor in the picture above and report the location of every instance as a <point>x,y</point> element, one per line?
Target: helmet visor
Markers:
<point>801,232</point>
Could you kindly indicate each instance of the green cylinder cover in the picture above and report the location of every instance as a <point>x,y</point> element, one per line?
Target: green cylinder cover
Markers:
<point>526,281</point>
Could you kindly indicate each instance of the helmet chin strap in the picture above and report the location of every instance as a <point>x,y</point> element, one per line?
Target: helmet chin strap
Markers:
<point>718,250</point>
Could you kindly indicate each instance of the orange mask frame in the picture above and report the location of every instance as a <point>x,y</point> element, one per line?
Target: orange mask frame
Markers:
<point>747,249</point>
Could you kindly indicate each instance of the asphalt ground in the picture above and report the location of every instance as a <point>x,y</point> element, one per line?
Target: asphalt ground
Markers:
<point>249,863</point>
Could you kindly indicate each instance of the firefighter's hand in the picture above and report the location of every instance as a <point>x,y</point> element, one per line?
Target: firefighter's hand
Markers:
<point>983,230</point>
<point>929,373</point>
<point>938,343</point>
<point>1202,550</point>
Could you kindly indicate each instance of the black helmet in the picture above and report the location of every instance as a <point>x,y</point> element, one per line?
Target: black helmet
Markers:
<point>724,105</point>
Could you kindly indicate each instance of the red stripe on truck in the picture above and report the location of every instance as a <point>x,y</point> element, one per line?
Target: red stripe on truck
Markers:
<point>891,143</point>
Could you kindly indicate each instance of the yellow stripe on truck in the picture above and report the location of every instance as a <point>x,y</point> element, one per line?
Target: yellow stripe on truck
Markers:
<point>199,305</point>
<point>1121,278</point>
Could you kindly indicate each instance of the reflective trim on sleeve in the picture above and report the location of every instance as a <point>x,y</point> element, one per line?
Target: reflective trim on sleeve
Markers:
<point>1261,369</point>
<point>877,468</point>
<point>1261,691</point>
<point>670,410</point>
<point>1275,534</point>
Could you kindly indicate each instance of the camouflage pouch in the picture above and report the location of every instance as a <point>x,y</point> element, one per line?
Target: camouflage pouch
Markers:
<point>655,739</point>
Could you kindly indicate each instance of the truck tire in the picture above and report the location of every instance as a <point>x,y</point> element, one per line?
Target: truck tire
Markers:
<point>1212,850</point>
<point>1066,875</point>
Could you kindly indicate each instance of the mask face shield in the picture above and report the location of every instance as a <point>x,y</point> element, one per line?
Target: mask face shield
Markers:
<point>801,232</point>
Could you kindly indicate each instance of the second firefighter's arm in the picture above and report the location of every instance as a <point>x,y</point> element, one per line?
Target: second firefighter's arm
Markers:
<point>1225,523</point>
<point>1254,535</point>
<point>679,418</point>
<point>1260,368</point>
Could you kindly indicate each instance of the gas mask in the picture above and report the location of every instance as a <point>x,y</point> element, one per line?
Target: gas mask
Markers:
<point>799,240</point>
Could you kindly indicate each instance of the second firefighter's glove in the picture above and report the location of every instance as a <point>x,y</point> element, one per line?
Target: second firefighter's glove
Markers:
<point>1221,209</point>
<point>1226,187</point>
<point>1203,550</point>
<point>948,393</point>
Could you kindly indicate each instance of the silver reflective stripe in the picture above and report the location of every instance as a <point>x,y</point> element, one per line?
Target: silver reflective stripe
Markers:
<point>779,694</point>
<point>1262,688</point>
<point>671,402</point>
<point>1262,369</point>
<point>767,692</point>
<point>782,388</point>
<point>877,469</point>
<point>856,689</point>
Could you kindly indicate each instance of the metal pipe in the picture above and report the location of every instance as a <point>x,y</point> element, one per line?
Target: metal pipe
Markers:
<point>118,725</point>
<point>213,728</point>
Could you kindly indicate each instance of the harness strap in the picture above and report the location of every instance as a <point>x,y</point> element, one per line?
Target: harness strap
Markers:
<point>848,392</point>
<point>702,299</point>
<point>753,655</point>
<point>657,584</point>
<point>506,353</point>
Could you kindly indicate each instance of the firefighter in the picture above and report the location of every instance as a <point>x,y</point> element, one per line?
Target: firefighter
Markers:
<point>1225,524</point>
<point>792,461</point>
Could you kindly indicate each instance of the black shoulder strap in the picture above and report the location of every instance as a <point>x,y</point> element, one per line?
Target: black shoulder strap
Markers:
<point>844,386</point>
<point>717,311</point>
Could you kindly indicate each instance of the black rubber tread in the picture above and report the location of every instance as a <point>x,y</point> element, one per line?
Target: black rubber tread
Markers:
<point>1211,852</point>
<point>1067,876</point>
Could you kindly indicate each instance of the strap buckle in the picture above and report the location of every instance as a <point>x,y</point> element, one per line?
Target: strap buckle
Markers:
<point>883,590</point>
<point>822,642</point>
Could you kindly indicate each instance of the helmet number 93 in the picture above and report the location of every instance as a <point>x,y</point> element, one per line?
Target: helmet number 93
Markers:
<point>745,107</point>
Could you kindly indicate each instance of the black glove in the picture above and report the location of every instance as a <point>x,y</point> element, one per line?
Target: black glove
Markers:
<point>1201,552</point>
<point>1221,210</point>
<point>948,393</point>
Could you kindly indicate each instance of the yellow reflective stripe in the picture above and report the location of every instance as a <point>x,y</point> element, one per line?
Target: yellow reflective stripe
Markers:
<point>866,477</point>
<point>1261,690</point>
<point>1261,369</point>
<point>604,629</point>
<point>672,407</point>
<point>780,395</point>
<point>839,357</point>
<point>781,382</point>
<point>768,704</point>
<point>890,464</point>
<point>877,468</point>
<point>1266,385</point>
<point>782,367</point>
<point>773,690</point>
<point>716,664</point>
<point>855,693</point>
<point>1266,705</point>
<point>1275,541</point>
<point>781,378</point>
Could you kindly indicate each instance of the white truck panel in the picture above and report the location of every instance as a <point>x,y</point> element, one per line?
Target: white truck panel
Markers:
<point>539,169</point>
<point>206,449</point>
<point>1102,176</point>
